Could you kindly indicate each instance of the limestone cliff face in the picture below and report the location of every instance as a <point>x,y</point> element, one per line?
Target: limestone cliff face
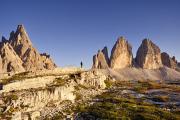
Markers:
<point>168,61</point>
<point>20,41</point>
<point>21,55</point>
<point>49,95</point>
<point>9,60</point>
<point>32,60</point>
<point>93,78</point>
<point>48,62</point>
<point>101,60</point>
<point>38,99</point>
<point>121,54</point>
<point>105,52</point>
<point>148,55</point>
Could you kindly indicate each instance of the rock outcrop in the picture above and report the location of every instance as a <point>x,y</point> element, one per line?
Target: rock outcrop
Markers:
<point>121,54</point>
<point>168,61</point>
<point>46,96</point>
<point>48,62</point>
<point>21,55</point>
<point>149,55</point>
<point>32,60</point>
<point>100,60</point>
<point>9,60</point>
<point>105,52</point>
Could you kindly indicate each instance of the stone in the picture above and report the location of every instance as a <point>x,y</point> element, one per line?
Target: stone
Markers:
<point>31,58</point>
<point>178,64</point>
<point>16,116</point>
<point>35,115</point>
<point>9,60</point>
<point>99,61</point>
<point>174,59</point>
<point>48,62</point>
<point>168,61</point>
<point>148,55</point>
<point>105,52</point>
<point>93,78</point>
<point>95,62</point>
<point>121,54</point>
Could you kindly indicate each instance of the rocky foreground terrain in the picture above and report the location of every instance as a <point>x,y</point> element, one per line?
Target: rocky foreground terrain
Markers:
<point>123,87</point>
<point>73,93</point>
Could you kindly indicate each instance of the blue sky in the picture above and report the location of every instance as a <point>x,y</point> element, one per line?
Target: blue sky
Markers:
<point>74,30</point>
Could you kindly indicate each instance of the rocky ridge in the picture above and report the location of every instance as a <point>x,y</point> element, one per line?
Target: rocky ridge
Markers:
<point>168,61</point>
<point>42,97</point>
<point>101,60</point>
<point>121,54</point>
<point>18,54</point>
<point>148,56</point>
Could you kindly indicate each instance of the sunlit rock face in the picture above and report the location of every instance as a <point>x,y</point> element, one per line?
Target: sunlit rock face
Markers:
<point>31,58</point>
<point>18,54</point>
<point>93,78</point>
<point>20,41</point>
<point>48,62</point>
<point>9,60</point>
<point>101,60</point>
<point>168,61</point>
<point>121,54</point>
<point>148,55</point>
<point>39,98</point>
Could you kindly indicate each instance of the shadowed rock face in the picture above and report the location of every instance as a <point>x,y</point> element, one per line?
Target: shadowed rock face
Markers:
<point>149,55</point>
<point>168,61</point>
<point>121,54</point>
<point>105,52</point>
<point>29,58</point>
<point>100,61</point>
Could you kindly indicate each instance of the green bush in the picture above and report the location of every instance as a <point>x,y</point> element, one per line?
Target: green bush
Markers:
<point>109,83</point>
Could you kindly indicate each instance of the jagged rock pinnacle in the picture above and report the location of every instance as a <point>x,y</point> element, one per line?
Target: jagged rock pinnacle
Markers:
<point>149,55</point>
<point>121,54</point>
<point>20,49</point>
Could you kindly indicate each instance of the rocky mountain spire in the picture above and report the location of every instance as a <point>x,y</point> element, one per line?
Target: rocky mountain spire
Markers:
<point>9,60</point>
<point>31,58</point>
<point>20,40</point>
<point>168,61</point>
<point>101,59</point>
<point>149,55</point>
<point>121,54</point>
<point>19,49</point>
<point>105,52</point>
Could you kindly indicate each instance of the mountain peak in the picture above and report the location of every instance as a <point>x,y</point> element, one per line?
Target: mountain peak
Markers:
<point>19,48</point>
